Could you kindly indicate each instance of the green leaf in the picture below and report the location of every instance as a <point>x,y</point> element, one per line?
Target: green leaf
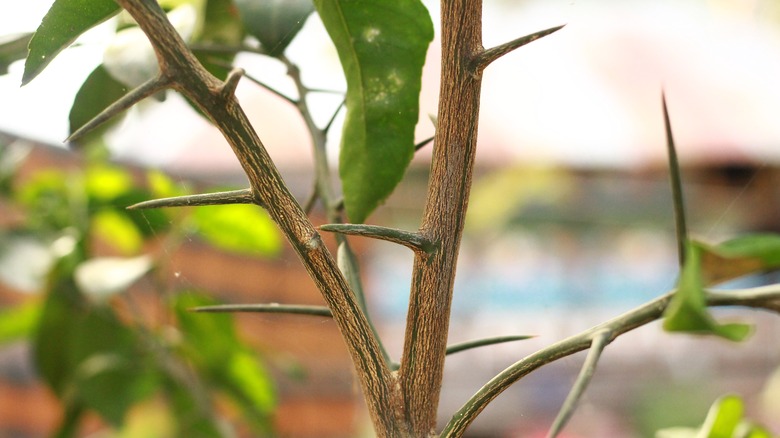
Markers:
<point>687,312</point>
<point>118,230</point>
<point>723,418</point>
<point>111,383</point>
<point>97,92</point>
<point>65,21</point>
<point>85,354</point>
<point>12,48</point>
<point>275,23</point>
<point>19,322</point>
<point>213,346</point>
<point>740,256</point>
<point>382,47</point>
<point>244,229</point>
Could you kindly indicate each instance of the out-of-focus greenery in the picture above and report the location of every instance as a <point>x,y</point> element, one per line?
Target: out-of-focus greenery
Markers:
<point>73,255</point>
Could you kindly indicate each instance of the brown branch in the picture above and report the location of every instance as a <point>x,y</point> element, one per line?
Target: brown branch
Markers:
<point>433,275</point>
<point>212,97</point>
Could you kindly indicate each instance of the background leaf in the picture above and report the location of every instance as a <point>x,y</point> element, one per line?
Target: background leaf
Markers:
<point>19,322</point>
<point>274,22</point>
<point>213,346</point>
<point>97,92</point>
<point>240,228</point>
<point>382,47</point>
<point>12,48</point>
<point>65,21</point>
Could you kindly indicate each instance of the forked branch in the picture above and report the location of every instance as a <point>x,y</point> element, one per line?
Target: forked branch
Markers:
<point>765,297</point>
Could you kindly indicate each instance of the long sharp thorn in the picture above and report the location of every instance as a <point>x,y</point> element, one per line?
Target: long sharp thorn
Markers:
<point>267,308</point>
<point>463,346</point>
<point>488,56</point>
<point>136,95</point>
<point>681,228</point>
<point>243,196</point>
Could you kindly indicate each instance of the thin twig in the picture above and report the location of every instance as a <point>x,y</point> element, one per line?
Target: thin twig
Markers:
<point>148,88</point>
<point>243,196</point>
<point>463,346</point>
<point>600,340</point>
<point>681,229</point>
<point>267,308</point>
<point>488,56</point>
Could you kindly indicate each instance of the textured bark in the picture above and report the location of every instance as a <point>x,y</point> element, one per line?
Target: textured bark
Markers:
<point>450,181</point>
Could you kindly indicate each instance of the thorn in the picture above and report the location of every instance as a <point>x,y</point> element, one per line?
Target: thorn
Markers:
<point>229,87</point>
<point>486,57</point>
<point>136,95</point>
<point>267,308</point>
<point>243,196</point>
<point>463,346</point>
<point>415,241</point>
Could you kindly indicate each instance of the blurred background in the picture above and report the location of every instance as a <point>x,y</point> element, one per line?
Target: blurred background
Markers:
<point>570,221</point>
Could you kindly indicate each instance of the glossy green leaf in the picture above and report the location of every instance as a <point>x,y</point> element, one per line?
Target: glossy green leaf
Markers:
<point>97,92</point>
<point>687,312</point>
<point>12,48</point>
<point>275,23</point>
<point>382,47</point>
<point>19,322</point>
<point>65,21</point>
<point>244,229</point>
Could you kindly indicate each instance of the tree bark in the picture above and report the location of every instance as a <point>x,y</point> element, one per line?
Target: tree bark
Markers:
<point>445,210</point>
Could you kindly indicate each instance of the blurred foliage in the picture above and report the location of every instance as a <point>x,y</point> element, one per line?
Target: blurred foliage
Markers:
<point>74,256</point>
<point>725,419</point>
